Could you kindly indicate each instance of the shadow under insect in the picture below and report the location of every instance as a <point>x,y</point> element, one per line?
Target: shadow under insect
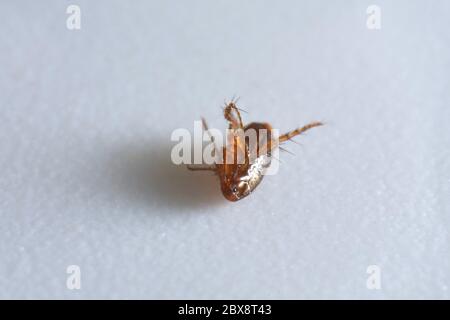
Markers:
<point>149,174</point>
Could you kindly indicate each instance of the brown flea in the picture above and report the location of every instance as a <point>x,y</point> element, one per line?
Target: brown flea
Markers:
<point>238,180</point>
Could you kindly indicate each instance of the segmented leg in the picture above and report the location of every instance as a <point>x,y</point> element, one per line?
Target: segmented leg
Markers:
<point>205,127</point>
<point>298,131</point>
<point>236,142</point>
<point>287,136</point>
<point>233,116</point>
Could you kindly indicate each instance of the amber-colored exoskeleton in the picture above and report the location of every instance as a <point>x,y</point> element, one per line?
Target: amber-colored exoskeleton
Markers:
<point>239,179</point>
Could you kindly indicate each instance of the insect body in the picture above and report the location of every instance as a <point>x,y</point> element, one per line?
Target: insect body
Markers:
<point>239,178</point>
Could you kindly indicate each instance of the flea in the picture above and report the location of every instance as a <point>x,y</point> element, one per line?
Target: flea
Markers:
<point>238,180</point>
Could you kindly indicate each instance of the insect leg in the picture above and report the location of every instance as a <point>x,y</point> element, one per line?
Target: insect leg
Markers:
<point>272,144</point>
<point>205,127</point>
<point>293,133</point>
<point>233,116</point>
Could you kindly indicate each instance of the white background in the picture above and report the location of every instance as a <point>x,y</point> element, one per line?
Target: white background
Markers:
<point>86,176</point>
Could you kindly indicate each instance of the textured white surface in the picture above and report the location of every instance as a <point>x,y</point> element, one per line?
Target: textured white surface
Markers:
<point>86,178</point>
